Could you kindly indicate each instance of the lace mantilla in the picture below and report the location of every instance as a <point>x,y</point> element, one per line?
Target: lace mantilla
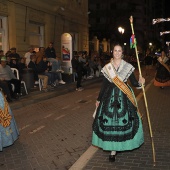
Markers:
<point>124,71</point>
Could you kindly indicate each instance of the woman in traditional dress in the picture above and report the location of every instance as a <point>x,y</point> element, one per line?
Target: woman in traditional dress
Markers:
<point>117,124</point>
<point>162,77</point>
<point>8,129</point>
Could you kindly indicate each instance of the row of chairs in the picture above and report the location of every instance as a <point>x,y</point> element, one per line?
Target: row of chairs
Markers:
<point>40,81</point>
<point>14,70</point>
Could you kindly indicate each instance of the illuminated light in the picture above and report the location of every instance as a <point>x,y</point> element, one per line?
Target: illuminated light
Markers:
<point>121,30</point>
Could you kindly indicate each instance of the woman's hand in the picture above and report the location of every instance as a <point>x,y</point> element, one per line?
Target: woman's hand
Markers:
<point>141,80</point>
<point>97,103</point>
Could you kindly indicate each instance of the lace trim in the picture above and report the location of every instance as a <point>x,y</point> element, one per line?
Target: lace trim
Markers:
<point>124,71</point>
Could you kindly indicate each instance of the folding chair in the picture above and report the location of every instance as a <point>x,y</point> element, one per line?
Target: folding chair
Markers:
<point>14,70</point>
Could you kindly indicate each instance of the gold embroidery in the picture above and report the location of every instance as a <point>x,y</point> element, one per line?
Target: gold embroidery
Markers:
<point>5,117</point>
<point>123,87</point>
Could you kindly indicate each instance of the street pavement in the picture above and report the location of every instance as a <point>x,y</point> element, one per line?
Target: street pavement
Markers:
<point>55,128</point>
<point>55,131</point>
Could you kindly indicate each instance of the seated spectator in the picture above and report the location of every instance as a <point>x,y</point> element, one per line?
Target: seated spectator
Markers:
<point>1,53</point>
<point>37,76</point>
<point>21,67</point>
<point>27,55</point>
<point>93,65</point>
<point>13,63</point>
<point>8,62</point>
<point>86,68</point>
<point>4,88</point>
<point>44,67</point>
<point>40,54</point>
<point>58,70</point>
<point>8,76</point>
<point>7,53</point>
<point>14,55</point>
<point>52,57</point>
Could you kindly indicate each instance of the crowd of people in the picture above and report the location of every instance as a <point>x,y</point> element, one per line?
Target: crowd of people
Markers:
<point>44,63</point>
<point>85,67</point>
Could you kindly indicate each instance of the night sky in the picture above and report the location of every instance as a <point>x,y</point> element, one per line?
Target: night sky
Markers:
<point>167,8</point>
<point>167,12</point>
<point>167,15</point>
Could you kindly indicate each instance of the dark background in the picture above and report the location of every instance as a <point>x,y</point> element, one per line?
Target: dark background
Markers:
<point>167,15</point>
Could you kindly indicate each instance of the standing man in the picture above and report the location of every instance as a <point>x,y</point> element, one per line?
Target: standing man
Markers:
<point>77,66</point>
<point>50,51</point>
<point>51,55</point>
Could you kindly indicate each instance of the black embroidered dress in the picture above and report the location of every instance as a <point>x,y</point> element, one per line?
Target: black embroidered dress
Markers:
<point>117,125</point>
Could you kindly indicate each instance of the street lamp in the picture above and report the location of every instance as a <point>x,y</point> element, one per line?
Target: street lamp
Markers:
<point>150,47</point>
<point>121,30</point>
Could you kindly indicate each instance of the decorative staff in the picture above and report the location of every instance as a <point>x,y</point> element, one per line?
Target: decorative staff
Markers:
<point>133,45</point>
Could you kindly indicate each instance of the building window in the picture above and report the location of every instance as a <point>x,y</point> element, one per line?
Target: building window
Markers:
<point>36,36</point>
<point>3,34</point>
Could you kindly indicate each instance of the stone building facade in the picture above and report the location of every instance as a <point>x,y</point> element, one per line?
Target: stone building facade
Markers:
<point>25,23</point>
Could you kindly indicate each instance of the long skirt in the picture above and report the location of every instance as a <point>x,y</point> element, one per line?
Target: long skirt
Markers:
<point>117,125</point>
<point>10,133</point>
<point>162,77</point>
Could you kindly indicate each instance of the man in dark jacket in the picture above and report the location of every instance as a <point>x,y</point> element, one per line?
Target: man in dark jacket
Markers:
<point>37,76</point>
<point>44,68</point>
<point>78,68</point>
<point>51,55</point>
<point>14,55</point>
<point>50,51</point>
